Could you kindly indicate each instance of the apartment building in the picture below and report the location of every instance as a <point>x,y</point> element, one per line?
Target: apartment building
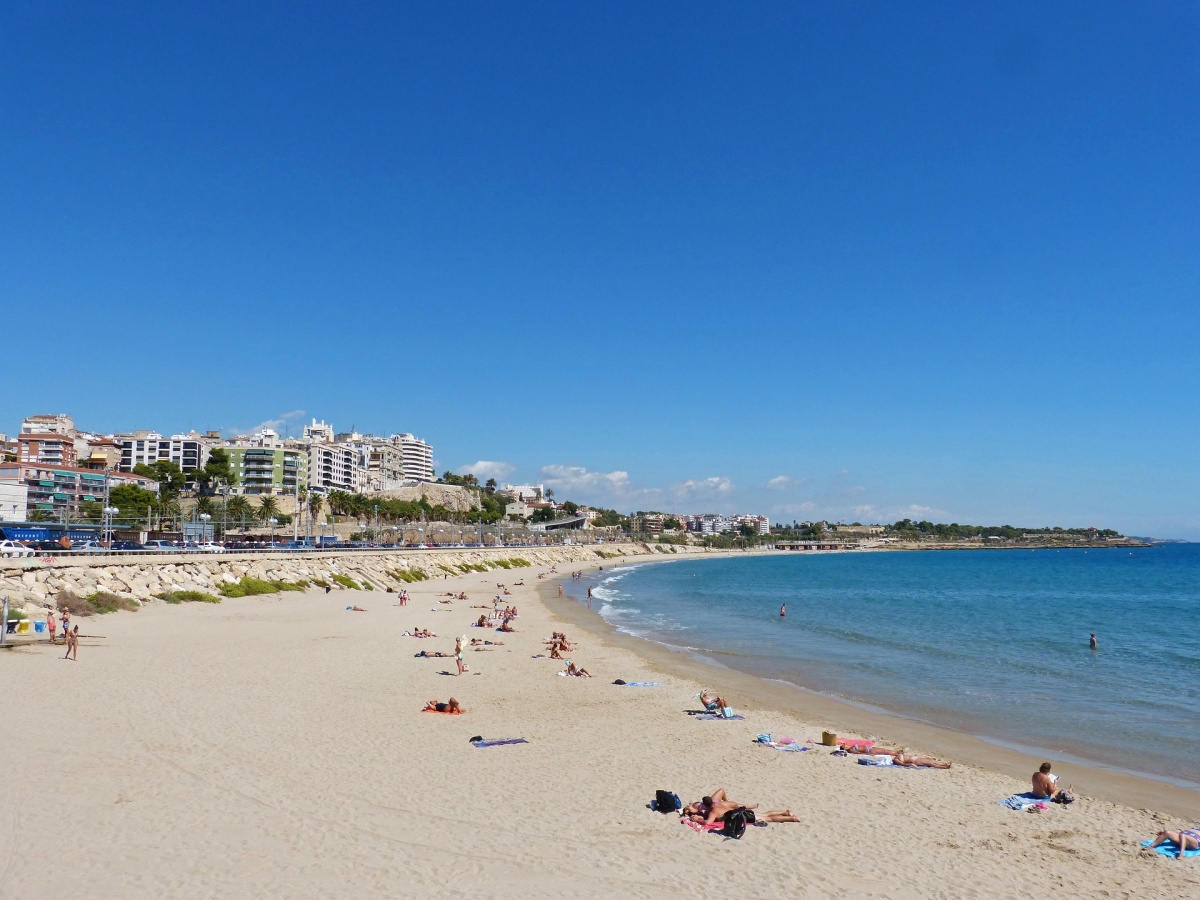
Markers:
<point>335,467</point>
<point>14,502</point>
<point>269,470</point>
<point>188,451</point>
<point>416,457</point>
<point>61,491</point>
<point>46,447</point>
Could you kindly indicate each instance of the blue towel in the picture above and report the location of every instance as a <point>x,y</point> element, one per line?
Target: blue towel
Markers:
<point>1023,801</point>
<point>642,683</point>
<point>790,748</point>
<point>717,718</point>
<point>1171,850</point>
<point>498,742</point>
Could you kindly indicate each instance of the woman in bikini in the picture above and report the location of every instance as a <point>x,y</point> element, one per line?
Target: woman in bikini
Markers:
<point>450,707</point>
<point>1184,839</point>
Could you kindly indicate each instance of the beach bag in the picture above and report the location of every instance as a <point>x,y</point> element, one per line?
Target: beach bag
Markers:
<point>667,802</point>
<point>736,821</point>
<point>1064,797</point>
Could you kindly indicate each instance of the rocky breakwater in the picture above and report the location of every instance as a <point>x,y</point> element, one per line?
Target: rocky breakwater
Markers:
<point>33,584</point>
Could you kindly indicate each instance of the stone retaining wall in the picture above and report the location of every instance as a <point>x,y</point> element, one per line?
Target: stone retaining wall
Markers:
<point>32,584</point>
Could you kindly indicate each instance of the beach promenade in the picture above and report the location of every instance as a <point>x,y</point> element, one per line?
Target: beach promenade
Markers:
<point>274,746</point>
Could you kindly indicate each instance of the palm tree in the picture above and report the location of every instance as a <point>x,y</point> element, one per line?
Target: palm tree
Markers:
<point>315,502</point>
<point>239,508</point>
<point>168,509</point>
<point>268,508</point>
<point>204,504</point>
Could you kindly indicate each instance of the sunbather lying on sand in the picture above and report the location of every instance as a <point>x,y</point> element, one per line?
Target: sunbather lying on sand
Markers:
<point>1184,839</point>
<point>899,757</point>
<point>449,707</point>
<point>476,642</point>
<point>712,808</point>
<point>425,654</point>
<point>420,632</point>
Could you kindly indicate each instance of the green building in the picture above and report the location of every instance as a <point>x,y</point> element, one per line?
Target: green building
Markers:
<point>261,470</point>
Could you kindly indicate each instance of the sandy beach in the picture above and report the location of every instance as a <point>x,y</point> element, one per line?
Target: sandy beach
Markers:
<point>274,746</point>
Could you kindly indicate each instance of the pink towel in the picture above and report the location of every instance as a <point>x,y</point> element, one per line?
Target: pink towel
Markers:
<point>701,827</point>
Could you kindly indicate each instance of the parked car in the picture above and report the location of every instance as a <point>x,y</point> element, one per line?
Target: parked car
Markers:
<point>162,546</point>
<point>48,547</point>
<point>89,547</point>
<point>127,545</point>
<point>13,550</point>
<point>206,547</point>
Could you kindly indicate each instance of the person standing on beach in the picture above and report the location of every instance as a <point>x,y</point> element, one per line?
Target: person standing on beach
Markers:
<point>51,624</point>
<point>1095,646</point>
<point>72,644</point>
<point>458,653</point>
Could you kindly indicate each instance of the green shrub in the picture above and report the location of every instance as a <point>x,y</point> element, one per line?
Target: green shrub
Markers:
<point>367,586</point>
<point>521,563</point>
<point>188,597</point>
<point>290,585</point>
<point>250,587</point>
<point>346,581</point>
<point>504,563</point>
<point>320,582</point>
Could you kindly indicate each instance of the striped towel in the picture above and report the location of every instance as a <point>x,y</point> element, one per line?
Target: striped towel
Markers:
<point>498,742</point>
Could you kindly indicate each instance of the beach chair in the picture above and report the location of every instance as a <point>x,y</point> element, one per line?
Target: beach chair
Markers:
<point>23,626</point>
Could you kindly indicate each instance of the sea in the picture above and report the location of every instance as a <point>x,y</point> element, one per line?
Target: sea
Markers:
<point>993,643</point>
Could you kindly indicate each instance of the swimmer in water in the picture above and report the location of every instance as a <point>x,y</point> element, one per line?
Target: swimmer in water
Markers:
<point>783,611</point>
<point>1095,646</point>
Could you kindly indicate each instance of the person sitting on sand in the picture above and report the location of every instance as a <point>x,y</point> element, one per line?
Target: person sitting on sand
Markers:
<point>554,652</point>
<point>709,700</point>
<point>573,669</point>
<point>1184,839</point>
<point>1045,785</point>
<point>506,626</point>
<point>481,622</point>
<point>449,707</point>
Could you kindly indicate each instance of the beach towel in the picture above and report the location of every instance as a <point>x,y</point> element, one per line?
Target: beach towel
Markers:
<point>1021,802</point>
<point>444,712</point>
<point>787,748</point>
<point>709,718</point>
<point>498,742</point>
<point>642,684</point>
<point>847,743</point>
<point>701,827</point>
<point>1171,849</point>
<point>876,761</point>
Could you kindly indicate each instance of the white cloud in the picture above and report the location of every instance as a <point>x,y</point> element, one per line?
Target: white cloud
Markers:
<point>275,424</point>
<point>486,468</point>
<point>716,484</point>
<point>567,478</point>
<point>783,482</point>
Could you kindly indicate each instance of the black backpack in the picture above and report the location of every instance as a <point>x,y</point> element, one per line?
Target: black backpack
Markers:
<point>665,802</point>
<point>736,821</point>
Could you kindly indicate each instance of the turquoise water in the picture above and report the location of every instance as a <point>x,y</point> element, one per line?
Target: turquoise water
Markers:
<point>992,643</point>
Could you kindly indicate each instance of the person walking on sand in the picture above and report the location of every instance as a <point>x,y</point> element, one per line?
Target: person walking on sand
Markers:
<point>72,645</point>
<point>1094,644</point>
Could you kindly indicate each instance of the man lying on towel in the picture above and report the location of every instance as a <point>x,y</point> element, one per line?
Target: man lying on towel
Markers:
<point>713,809</point>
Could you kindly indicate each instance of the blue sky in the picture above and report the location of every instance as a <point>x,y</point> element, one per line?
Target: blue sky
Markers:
<point>850,261</point>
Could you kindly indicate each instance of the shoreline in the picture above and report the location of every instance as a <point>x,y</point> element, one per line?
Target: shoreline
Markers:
<point>1137,790</point>
<point>275,745</point>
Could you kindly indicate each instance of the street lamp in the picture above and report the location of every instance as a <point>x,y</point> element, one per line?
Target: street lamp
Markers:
<point>274,522</point>
<point>204,520</point>
<point>109,512</point>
